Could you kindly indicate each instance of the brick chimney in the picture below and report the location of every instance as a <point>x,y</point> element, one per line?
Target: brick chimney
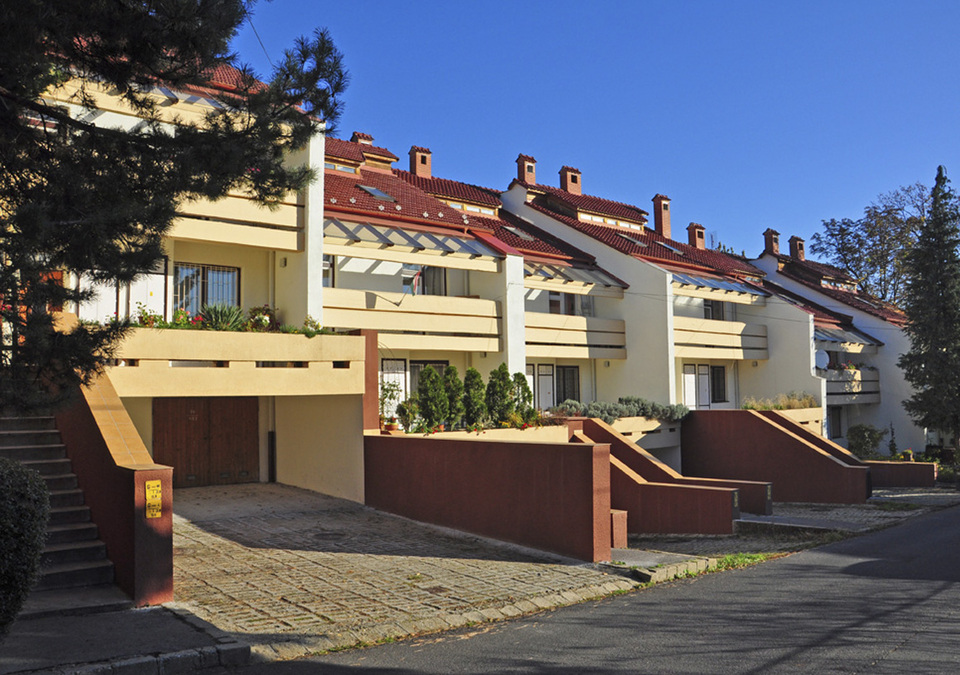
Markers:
<point>771,242</point>
<point>527,169</point>
<point>661,215</point>
<point>361,138</point>
<point>796,248</point>
<point>570,180</point>
<point>420,162</point>
<point>695,235</point>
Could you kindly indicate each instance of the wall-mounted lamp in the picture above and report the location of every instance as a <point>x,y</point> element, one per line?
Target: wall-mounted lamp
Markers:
<point>755,364</point>
<point>283,261</point>
<point>606,364</point>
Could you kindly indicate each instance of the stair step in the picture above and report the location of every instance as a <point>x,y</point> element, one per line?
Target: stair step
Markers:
<point>33,452</point>
<point>71,532</point>
<point>70,575</point>
<point>69,514</point>
<point>27,437</point>
<point>27,423</point>
<point>61,481</point>
<point>74,551</point>
<point>48,467</point>
<point>71,497</point>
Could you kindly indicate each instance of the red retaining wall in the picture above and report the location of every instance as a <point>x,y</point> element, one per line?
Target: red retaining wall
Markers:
<point>141,549</point>
<point>545,495</point>
<point>743,444</point>
<point>663,508</point>
<point>755,497</point>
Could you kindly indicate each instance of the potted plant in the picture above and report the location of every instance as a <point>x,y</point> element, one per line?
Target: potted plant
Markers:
<point>389,397</point>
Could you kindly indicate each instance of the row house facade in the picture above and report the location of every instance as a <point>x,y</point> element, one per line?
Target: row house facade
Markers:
<point>857,360</point>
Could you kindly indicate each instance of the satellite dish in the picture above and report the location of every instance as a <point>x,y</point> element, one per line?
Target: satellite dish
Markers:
<point>822,359</point>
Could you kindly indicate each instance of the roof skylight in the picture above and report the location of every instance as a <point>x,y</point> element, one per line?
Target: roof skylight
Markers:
<point>517,231</point>
<point>376,193</point>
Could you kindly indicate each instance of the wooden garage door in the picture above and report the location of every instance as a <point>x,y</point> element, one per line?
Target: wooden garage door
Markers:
<point>207,441</point>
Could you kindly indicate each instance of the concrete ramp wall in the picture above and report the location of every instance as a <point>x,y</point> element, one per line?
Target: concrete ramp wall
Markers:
<point>552,496</point>
<point>755,496</point>
<point>746,445</point>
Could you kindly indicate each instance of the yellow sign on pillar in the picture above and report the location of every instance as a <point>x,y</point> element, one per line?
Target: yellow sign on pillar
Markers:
<point>154,498</point>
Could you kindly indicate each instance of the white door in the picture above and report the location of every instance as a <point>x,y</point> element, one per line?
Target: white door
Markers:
<point>544,386</point>
<point>703,387</point>
<point>394,370</point>
<point>690,387</point>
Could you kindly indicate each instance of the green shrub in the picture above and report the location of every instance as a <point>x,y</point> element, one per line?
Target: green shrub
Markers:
<point>389,396</point>
<point>628,406</point>
<point>569,408</point>
<point>499,398</point>
<point>474,405</point>
<point>222,317</point>
<point>432,398</point>
<point>408,412</point>
<point>24,508</point>
<point>864,439</point>
<point>523,399</point>
<point>453,388</point>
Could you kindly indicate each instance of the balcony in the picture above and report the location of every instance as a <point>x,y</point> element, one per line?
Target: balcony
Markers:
<point>710,339</point>
<point>574,337</point>
<point>421,322</point>
<point>846,387</point>
<point>174,362</point>
<point>237,219</point>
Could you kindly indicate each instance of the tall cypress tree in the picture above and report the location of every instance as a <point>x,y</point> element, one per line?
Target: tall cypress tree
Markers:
<point>932,305</point>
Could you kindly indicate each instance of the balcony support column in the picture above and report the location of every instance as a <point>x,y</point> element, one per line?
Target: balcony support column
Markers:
<point>513,338</point>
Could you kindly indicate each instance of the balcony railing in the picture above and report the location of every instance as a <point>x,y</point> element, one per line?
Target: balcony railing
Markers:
<point>171,362</point>
<point>407,321</point>
<point>574,337</point>
<point>845,387</point>
<point>711,339</point>
<point>237,219</point>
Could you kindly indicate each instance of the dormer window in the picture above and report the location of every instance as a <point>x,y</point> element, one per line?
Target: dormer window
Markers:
<point>376,193</point>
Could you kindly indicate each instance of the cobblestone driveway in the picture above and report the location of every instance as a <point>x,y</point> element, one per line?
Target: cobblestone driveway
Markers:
<point>293,572</point>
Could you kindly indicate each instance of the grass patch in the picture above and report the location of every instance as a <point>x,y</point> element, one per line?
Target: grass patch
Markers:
<point>737,560</point>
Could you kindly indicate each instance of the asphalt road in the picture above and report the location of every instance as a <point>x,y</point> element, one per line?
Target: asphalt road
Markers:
<point>888,602</point>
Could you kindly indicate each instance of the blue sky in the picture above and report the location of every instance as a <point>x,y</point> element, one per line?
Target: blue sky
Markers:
<point>746,114</point>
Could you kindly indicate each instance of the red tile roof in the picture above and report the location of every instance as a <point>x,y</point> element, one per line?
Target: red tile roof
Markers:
<point>542,243</point>
<point>452,189</point>
<point>592,204</point>
<point>355,152</point>
<point>339,189</point>
<point>816,269</point>
<point>861,301</point>
<point>651,248</point>
<point>821,315</point>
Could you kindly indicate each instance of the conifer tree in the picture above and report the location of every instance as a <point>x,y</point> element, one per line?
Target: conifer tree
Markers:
<point>499,396</point>
<point>453,387</point>
<point>431,397</point>
<point>523,398</point>
<point>474,405</point>
<point>78,194</point>
<point>932,305</point>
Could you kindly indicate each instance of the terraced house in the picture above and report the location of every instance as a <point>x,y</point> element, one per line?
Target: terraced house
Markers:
<point>857,357</point>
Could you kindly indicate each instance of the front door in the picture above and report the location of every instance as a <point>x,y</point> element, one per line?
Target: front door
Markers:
<point>207,441</point>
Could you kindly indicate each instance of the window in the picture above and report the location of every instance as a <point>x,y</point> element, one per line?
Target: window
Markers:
<point>197,285</point>
<point>834,421</point>
<point>718,384</point>
<point>586,305</point>
<point>416,367</point>
<point>329,270</point>
<point>423,280</point>
<point>568,383</point>
<point>570,304</point>
<point>713,309</point>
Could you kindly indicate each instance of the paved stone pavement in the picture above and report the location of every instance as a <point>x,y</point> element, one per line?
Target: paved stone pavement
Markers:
<point>293,572</point>
<point>886,507</point>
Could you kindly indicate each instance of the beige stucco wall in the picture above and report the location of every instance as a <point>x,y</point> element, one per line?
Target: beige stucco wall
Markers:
<point>320,444</point>
<point>140,411</point>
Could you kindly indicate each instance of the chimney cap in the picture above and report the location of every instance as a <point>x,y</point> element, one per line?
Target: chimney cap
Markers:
<point>360,137</point>
<point>417,148</point>
<point>569,168</point>
<point>526,158</point>
<point>663,198</point>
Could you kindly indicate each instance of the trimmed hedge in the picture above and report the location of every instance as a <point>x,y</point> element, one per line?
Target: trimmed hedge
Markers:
<point>24,509</point>
<point>627,406</point>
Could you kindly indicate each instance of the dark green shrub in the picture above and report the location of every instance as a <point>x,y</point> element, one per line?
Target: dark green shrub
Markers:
<point>474,405</point>
<point>523,399</point>
<point>431,397</point>
<point>453,387</point>
<point>408,413</point>
<point>499,398</point>
<point>864,439</point>
<point>24,508</point>
<point>222,317</point>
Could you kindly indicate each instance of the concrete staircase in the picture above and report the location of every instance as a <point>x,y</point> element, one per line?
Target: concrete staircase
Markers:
<point>74,555</point>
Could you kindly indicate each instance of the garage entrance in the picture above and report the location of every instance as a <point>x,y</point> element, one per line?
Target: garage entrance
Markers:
<point>207,441</point>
